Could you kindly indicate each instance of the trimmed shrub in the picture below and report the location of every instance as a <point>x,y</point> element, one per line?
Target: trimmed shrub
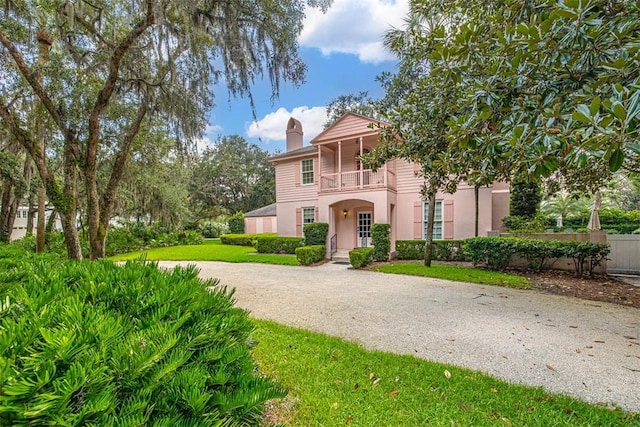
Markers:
<point>92,343</point>
<point>449,250</point>
<point>236,223</point>
<point>525,199</point>
<point>238,239</point>
<point>410,249</point>
<point>361,257</point>
<point>518,224</point>
<point>442,250</point>
<point>308,255</point>
<point>381,242</point>
<point>278,245</point>
<point>496,252</point>
<point>316,233</point>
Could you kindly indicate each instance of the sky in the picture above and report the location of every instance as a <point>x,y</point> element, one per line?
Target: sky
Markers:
<point>344,53</point>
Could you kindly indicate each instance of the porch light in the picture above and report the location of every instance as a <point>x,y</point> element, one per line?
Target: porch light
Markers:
<point>345,212</point>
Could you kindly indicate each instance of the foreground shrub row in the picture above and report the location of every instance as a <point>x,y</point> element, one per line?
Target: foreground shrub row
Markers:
<point>499,252</point>
<point>308,255</point>
<point>91,343</point>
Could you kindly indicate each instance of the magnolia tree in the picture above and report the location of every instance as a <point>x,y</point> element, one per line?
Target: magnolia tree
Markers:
<point>501,89</point>
<point>105,74</point>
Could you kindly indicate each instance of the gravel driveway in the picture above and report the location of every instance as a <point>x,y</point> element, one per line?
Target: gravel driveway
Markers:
<point>582,348</point>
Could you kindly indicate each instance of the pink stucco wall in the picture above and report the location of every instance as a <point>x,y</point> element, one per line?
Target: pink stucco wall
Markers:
<point>398,204</point>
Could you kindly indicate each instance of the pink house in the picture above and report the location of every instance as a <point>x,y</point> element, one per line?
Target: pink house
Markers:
<point>325,182</point>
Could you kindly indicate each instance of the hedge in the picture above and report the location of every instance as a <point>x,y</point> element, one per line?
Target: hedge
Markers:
<point>308,255</point>
<point>381,242</point>
<point>361,257</point>
<point>93,343</point>
<point>614,221</point>
<point>316,233</point>
<point>238,239</point>
<point>442,250</point>
<point>278,245</point>
<point>496,252</point>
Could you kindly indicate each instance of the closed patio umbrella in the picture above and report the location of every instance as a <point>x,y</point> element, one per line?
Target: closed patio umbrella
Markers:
<point>594,219</point>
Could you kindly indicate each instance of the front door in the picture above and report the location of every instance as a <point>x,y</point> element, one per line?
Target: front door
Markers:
<point>363,231</point>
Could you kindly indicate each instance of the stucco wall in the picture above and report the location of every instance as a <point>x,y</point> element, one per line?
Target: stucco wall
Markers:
<point>261,224</point>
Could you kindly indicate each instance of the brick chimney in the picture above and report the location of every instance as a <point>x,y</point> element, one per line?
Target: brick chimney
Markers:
<point>294,135</point>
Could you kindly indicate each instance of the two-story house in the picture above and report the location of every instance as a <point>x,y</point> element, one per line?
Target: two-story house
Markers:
<point>326,182</point>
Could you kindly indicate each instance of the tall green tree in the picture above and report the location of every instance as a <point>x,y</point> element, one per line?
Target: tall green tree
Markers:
<point>112,66</point>
<point>360,103</point>
<point>231,176</point>
<point>416,109</point>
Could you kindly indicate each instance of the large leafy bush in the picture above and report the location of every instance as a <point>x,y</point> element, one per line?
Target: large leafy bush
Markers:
<point>316,233</point>
<point>381,242</point>
<point>236,223</point>
<point>86,343</point>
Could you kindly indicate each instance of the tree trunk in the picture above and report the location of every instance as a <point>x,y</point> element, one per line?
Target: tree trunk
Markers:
<point>44,43</point>
<point>26,174</point>
<point>30,203</point>
<point>5,212</point>
<point>428,246</point>
<point>476,193</point>
<point>51,221</point>
<point>40,229</point>
<point>67,205</point>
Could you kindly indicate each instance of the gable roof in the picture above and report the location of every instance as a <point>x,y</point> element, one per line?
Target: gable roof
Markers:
<point>349,125</point>
<point>269,210</point>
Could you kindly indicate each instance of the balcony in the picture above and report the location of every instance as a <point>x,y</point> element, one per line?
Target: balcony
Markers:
<point>365,179</point>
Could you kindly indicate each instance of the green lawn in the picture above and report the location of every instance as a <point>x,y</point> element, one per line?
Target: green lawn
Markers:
<point>211,250</point>
<point>332,382</point>
<point>453,272</point>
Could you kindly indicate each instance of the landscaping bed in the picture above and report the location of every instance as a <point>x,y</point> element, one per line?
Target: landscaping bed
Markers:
<point>602,288</point>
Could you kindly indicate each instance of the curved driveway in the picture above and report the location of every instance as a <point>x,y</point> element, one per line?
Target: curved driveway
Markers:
<point>586,349</point>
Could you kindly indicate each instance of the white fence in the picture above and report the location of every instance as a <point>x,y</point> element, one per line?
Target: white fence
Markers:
<point>625,253</point>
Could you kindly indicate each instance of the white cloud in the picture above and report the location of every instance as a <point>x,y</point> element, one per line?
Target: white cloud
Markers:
<point>211,133</point>
<point>273,126</point>
<point>355,27</point>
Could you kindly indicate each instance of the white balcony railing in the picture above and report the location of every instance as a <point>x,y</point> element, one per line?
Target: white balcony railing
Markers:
<point>365,179</point>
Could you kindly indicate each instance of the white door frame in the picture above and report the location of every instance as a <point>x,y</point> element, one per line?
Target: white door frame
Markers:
<point>363,230</point>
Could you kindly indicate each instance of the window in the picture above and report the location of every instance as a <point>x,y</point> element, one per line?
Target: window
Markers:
<point>437,220</point>
<point>308,215</point>
<point>307,171</point>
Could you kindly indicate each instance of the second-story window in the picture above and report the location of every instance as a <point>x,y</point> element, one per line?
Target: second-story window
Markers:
<point>307,171</point>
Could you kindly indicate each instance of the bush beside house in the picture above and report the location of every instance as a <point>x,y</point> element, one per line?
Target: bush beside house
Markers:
<point>316,233</point>
<point>381,242</point>
<point>236,223</point>
<point>308,255</point>
<point>278,245</point>
<point>361,257</point>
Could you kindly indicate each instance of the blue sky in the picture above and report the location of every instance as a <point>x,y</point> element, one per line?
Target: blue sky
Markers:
<point>343,52</point>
